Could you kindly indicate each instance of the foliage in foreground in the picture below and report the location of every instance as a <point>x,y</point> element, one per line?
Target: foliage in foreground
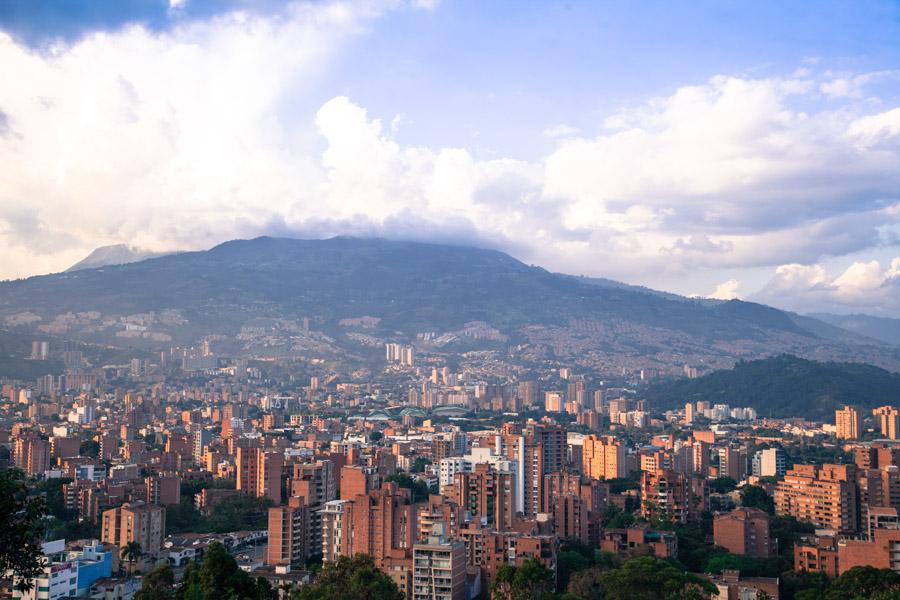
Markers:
<point>349,579</point>
<point>644,578</point>
<point>218,576</point>
<point>531,580</point>
<point>859,583</point>
<point>21,528</point>
<point>157,584</point>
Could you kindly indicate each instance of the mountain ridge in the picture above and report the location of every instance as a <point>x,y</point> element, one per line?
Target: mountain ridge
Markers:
<point>884,329</point>
<point>411,288</point>
<point>116,254</point>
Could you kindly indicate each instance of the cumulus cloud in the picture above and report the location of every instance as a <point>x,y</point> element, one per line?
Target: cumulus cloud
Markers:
<point>727,290</point>
<point>878,127</point>
<point>854,85</point>
<point>861,286</point>
<point>187,137</point>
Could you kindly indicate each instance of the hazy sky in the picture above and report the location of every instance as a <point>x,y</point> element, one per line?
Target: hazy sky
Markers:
<point>737,149</point>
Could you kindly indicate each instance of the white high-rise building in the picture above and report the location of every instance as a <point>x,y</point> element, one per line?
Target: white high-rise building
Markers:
<point>439,569</point>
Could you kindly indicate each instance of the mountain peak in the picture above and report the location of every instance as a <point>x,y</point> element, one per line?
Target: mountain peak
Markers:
<point>116,254</point>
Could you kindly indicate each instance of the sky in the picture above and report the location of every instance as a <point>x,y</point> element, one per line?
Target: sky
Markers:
<point>723,149</point>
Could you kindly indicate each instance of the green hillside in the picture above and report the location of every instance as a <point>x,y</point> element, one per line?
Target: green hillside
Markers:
<point>785,386</point>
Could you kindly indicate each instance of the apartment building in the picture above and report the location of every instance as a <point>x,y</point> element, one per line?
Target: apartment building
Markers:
<point>825,496</point>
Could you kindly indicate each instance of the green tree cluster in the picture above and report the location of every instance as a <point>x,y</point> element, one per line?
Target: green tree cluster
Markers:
<point>530,581</point>
<point>419,464</point>
<point>753,496</point>
<point>614,517</point>
<point>349,579</point>
<point>722,485</point>
<point>21,528</point>
<point>418,487</point>
<point>234,513</point>
<point>158,584</point>
<point>644,578</point>
<point>859,583</point>
<point>89,448</point>
<point>218,576</point>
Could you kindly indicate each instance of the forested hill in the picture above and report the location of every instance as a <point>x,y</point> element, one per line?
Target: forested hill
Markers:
<point>404,289</point>
<point>785,386</point>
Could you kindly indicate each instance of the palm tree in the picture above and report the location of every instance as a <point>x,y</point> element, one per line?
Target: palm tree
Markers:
<point>132,552</point>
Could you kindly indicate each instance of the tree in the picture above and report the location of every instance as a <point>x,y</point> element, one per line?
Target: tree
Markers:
<point>722,485</point>
<point>131,553</point>
<point>754,496</point>
<point>864,582</point>
<point>238,513</point>
<point>747,565</point>
<point>218,576</point>
<point>21,529</point>
<point>349,579</point>
<point>614,517</point>
<point>418,488</point>
<point>55,500</point>
<point>569,562</point>
<point>89,448</point>
<point>157,584</point>
<point>793,584</point>
<point>585,584</point>
<point>530,581</point>
<point>649,578</point>
<point>419,464</point>
<point>787,530</point>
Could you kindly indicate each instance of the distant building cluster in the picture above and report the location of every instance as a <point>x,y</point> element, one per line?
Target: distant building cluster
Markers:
<point>717,413</point>
<point>400,354</point>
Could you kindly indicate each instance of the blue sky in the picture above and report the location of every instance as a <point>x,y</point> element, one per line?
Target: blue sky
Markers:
<point>741,149</point>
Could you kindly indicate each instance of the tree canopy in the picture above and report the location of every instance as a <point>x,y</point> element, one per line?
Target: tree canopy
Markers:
<point>649,578</point>
<point>158,584</point>
<point>859,583</point>
<point>21,528</point>
<point>349,579</point>
<point>418,487</point>
<point>753,496</point>
<point>218,576</point>
<point>530,581</point>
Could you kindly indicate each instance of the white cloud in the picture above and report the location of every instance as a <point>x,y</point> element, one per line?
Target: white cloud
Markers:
<point>727,290</point>
<point>859,279</point>
<point>854,85</point>
<point>861,286</point>
<point>874,128</point>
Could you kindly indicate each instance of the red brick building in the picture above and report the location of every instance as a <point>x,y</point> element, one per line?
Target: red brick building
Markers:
<point>743,531</point>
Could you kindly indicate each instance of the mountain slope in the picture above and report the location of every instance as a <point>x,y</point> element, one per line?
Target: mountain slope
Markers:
<point>884,329</point>
<point>412,288</point>
<point>784,386</point>
<point>119,254</point>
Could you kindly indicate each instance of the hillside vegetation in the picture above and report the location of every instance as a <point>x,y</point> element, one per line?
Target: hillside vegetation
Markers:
<point>785,386</point>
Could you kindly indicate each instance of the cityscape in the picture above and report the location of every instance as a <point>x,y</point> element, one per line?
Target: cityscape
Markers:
<point>376,301</point>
